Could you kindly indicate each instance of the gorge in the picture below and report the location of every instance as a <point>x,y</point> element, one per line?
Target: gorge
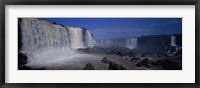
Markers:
<point>43,42</point>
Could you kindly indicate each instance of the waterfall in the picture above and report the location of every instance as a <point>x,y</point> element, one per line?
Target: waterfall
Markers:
<point>175,46</point>
<point>76,36</point>
<point>42,40</point>
<point>103,43</point>
<point>130,43</point>
<point>173,41</point>
<point>89,42</point>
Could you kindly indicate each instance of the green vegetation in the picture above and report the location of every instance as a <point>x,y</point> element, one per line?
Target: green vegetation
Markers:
<point>105,60</point>
<point>54,23</point>
<point>115,66</point>
<point>112,65</point>
<point>89,67</point>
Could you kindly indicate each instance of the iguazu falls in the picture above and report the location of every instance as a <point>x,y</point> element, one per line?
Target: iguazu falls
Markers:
<point>99,43</point>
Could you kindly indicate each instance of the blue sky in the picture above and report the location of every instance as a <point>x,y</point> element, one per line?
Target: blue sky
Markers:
<point>108,28</point>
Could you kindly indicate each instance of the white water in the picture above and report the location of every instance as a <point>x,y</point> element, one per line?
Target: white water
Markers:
<point>43,41</point>
<point>173,44</point>
<point>89,42</point>
<point>76,36</point>
<point>173,41</point>
<point>130,43</point>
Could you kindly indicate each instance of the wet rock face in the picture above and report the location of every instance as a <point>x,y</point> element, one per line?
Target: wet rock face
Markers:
<point>154,43</point>
<point>22,59</point>
<point>19,35</point>
<point>159,43</point>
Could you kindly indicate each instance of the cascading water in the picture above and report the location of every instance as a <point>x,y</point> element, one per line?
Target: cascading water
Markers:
<point>130,43</point>
<point>174,45</point>
<point>89,42</point>
<point>43,41</point>
<point>76,37</point>
<point>173,41</point>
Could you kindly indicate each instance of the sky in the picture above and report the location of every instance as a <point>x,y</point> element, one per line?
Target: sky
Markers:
<point>108,28</point>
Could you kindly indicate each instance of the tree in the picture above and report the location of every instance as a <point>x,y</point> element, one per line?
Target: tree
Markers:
<point>105,60</point>
<point>89,67</point>
<point>115,66</point>
<point>54,23</point>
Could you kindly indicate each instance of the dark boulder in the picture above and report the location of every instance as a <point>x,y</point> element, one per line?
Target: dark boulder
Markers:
<point>136,59</point>
<point>167,64</point>
<point>144,62</point>
<point>126,58</point>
